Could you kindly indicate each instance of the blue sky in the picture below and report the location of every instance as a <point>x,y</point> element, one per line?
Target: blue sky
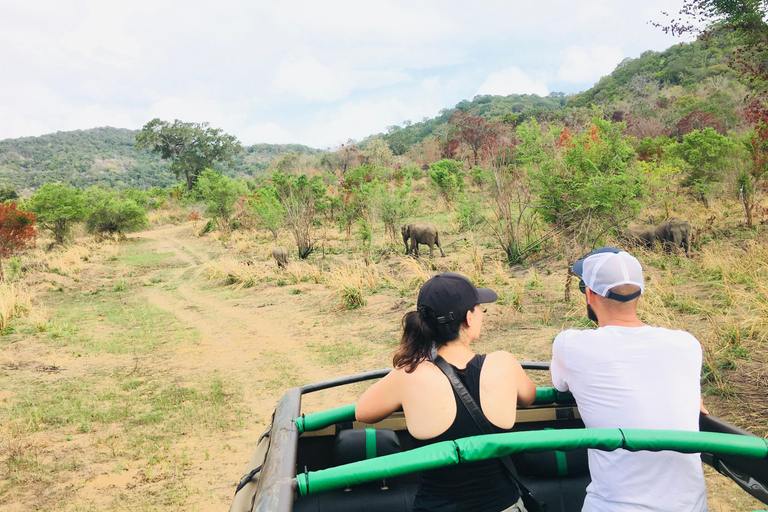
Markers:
<point>309,72</point>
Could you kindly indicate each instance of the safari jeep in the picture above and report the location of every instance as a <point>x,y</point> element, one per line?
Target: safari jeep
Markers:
<point>326,461</point>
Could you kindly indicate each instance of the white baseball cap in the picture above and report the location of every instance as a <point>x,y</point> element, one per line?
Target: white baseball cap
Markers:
<point>608,268</point>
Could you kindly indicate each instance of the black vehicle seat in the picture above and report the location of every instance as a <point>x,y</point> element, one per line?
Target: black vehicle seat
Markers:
<point>557,478</point>
<point>352,445</point>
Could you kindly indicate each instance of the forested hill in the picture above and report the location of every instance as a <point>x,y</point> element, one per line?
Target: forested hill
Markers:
<point>107,155</point>
<point>681,70</point>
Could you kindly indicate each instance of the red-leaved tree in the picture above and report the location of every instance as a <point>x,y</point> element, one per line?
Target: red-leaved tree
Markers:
<point>17,230</point>
<point>752,182</point>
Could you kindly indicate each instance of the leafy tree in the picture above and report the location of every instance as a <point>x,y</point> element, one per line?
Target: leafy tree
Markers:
<point>17,230</point>
<point>471,129</point>
<point>512,220</point>
<point>191,147</point>
<point>752,179</point>
<point>360,185</point>
<point>705,154</point>
<point>299,196</point>
<point>220,194</point>
<point>377,152</point>
<point>448,177</point>
<point>58,207</point>
<point>109,212</point>
<point>266,208</point>
<point>8,193</point>
<point>395,206</point>
<point>585,182</point>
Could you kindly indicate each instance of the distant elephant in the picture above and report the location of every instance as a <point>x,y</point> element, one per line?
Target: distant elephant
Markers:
<point>421,233</point>
<point>280,254</point>
<point>641,235</point>
<point>674,233</point>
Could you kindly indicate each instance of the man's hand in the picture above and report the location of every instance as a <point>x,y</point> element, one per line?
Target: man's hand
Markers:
<point>702,408</point>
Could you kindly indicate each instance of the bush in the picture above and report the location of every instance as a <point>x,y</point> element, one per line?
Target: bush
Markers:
<point>110,213</point>
<point>352,297</point>
<point>448,177</point>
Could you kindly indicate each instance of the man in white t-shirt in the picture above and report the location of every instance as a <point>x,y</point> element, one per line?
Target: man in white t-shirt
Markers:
<point>626,374</point>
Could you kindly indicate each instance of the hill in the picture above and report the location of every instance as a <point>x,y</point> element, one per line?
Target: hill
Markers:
<point>107,156</point>
<point>648,87</point>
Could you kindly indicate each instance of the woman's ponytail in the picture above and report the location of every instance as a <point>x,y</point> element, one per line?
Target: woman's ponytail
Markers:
<point>420,331</point>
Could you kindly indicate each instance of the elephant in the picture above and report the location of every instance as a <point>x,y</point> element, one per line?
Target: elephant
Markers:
<point>421,233</point>
<point>280,254</point>
<point>674,233</point>
<point>641,235</point>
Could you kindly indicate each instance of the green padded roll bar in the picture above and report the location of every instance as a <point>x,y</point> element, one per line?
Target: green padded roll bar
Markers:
<point>322,419</point>
<point>477,448</point>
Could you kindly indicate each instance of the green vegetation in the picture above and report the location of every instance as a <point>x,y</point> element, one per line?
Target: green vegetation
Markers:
<point>190,147</point>
<point>58,208</point>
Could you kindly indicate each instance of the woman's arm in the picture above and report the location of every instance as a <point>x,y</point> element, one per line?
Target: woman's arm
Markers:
<point>503,386</point>
<point>381,399</point>
<point>526,389</point>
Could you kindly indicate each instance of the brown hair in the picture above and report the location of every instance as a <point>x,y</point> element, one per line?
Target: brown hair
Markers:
<point>420,330</point>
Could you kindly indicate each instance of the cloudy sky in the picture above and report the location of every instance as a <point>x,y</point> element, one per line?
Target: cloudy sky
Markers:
<point>305,71</point>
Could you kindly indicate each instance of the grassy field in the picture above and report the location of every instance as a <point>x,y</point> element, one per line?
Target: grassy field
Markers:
<point>139,375</point>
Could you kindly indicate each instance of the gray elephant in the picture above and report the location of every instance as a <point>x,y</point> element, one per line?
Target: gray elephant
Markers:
<point>421,233</point>
<point>641,236</point>
<point>674,233</point>
<point>280,254</point>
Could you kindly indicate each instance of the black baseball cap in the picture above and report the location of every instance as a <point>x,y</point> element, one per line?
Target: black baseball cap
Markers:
<point>449,296</point>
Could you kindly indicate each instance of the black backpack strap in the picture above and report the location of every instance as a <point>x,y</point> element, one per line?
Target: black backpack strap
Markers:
<point>531,503</point>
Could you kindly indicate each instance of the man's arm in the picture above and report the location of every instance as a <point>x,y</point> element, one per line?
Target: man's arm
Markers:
<point>558,370</point>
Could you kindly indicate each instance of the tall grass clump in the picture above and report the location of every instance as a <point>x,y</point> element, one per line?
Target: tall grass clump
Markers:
<point>233,271</point>
<point>14,301</point>
<point>301,271</point>
<point>352,280</point>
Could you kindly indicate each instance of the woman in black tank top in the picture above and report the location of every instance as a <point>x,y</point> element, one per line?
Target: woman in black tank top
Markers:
<point>449,317</point>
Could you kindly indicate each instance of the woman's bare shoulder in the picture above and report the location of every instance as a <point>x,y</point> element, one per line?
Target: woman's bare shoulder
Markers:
<point>501,358</point>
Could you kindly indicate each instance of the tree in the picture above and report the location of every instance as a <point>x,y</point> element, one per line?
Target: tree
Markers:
<point>512,220</point>
<point>219,193</point>
<point>359,187</point>
<point>191,147</point>
<point>8,193</point>
<point>110,213</point>
<point>705,154</point>
<point>585,182</point>
<point>378,152</point>
<point>17,230</point>
<point>395,206</point>
<point>266,208</point>
<point>58,207</point>
<point>448,177</point>
<point>471,129</point>
<point>752,179</point>
<point>299,195</point>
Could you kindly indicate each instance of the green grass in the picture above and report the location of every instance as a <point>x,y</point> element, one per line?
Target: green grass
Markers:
<point>150,415</point>
<point>287,373</point>
<point>337,353</point>
<point>115,323</point>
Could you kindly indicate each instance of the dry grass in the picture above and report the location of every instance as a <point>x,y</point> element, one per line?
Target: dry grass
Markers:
<point>14,301</point>
<point>172,213</point>
<point>233,271</point>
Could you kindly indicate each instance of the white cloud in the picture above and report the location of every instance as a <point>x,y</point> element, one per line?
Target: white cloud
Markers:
<point>587,65</point>
<point>359,119</point>
<point>512,81</point>
<point>266,133</point>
